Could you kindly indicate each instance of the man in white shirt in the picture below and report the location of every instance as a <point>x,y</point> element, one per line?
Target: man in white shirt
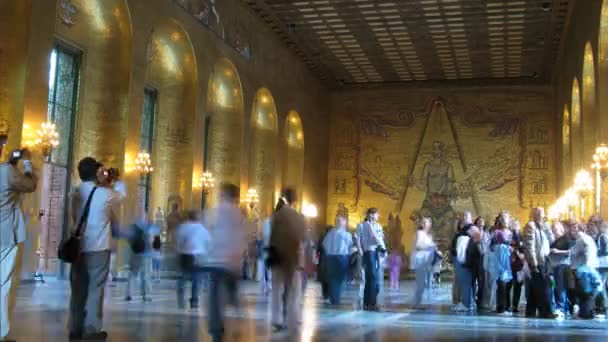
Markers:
<point>337,246</point>
<point>90,272</point>
<point>370,242</point>
<point>14,183</point>
<point>192,243</point>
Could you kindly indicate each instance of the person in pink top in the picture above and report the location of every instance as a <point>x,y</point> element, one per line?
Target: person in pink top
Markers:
<point>394,263</point>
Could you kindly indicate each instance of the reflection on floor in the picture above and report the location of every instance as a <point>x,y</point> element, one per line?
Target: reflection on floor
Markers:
<point>41,315</point>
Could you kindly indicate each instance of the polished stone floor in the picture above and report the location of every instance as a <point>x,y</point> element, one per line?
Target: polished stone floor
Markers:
<point>42,313</point>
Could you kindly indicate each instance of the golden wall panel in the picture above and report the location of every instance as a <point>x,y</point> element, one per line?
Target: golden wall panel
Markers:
<point>173,74</point>
<point>15,27</point>
<point>263,149</point>
<point>225,106</point>
<point>438,152</point>
<point>293,163</point>
<point>102,31</point>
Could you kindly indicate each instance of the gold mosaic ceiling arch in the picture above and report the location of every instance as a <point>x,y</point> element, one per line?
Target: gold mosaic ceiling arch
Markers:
<point>566,153</point>
<point>102,29</point>
<point>263,148</point>
<point>225,106</point>
<point>293,166</point>
<point>173,73</point>
<point>576,139</point>
<point>589,114</point>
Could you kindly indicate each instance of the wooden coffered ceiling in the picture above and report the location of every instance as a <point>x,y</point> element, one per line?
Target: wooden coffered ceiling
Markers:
<point>369,41</point>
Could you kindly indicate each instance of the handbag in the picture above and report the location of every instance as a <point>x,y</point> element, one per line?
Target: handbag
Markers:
<point>69,249</point>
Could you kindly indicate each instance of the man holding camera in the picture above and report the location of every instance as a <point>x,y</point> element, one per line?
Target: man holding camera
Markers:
<point>14,182</point>
<point>90,272</point>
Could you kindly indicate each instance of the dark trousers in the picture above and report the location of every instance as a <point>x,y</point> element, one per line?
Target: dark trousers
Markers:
<point>88,278</point>
<point>336,267</point>
<point>539,294</point>
<point>586,303</point>
<point>479,285</point>
<point>223,284</point>
<point>370,264</point>
<point>513,305</point>
<point>189,272</point>
<point>560,275</point>
<point>502,296</point>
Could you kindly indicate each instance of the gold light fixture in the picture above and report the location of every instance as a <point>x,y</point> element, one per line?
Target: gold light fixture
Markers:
<point>600,165</point>
<point>583,186</point>
<point>310,210</point>
<point>47,138</point>
<point>252,197</point>
<point>143,163</point>
<point>206,181</point>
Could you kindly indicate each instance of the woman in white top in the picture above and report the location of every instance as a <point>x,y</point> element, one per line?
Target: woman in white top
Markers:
<point>423,256</point>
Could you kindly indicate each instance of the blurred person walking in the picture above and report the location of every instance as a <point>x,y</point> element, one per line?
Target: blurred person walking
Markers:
<point>337,245</point>
<point>286,258</point>
<point>228,227</point>
<point>15,181</point>
<point>141,238</point>
<point>192,243</point>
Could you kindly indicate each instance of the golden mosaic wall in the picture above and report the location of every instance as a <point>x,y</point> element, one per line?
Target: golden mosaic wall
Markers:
<point>172,72</point>
<point>103,32</point>
<point>263,149</point>
<point>437,152</point>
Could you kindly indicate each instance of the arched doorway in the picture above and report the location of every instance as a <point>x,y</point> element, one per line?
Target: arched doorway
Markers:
<point>263,149</point>
<point>576,139</point>
<point>293,164</point>
<point>225,123</point>
<point>173,76</point>
<point>589,120</point>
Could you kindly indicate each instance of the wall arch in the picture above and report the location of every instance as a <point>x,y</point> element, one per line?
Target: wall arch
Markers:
<point>293,166</point>
<point>263,148</point>
<point>103,32</point>
<point>576,139</point>
<point>603,72</point>
<point>589,121</point>
<point>173,74</point>
<point>566,153</point>
<point>225,111</point>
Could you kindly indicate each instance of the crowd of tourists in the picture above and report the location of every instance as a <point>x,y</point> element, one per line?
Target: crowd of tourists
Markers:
<point>562,267</point>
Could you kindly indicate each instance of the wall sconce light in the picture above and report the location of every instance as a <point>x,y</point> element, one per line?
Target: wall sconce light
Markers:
<point>583,186</point>
<point>252,197</point>
<point>143,163</point>
<point>310,210</point>
<point>600,165</point>
<point>206,182</point>
<point>47,138</point>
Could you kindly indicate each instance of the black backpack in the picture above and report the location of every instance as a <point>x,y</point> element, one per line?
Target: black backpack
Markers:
<point>138,242</point>
<point>156,243</point>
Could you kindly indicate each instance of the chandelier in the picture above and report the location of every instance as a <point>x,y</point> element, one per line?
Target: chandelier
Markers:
<point>252,197</point>
<point>143,163</point>
<point>206,181</point>
<point>47,138</point>
<point>600,160</point>
<point>583,183</point>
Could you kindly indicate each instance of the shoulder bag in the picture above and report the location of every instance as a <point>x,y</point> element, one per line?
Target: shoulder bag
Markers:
<point>69,249</point>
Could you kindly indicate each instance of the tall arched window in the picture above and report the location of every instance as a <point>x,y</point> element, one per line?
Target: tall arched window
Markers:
<point>576,139</point>
<point>566,154</point>
<point>293,166</point>
<point>589,111</point>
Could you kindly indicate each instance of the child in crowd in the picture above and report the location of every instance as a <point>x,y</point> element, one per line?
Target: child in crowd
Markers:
<point>502,272</point>
<point>394,262</point>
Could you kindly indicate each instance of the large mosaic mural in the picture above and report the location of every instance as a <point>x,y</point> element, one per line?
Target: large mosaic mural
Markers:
<point>436,155</point>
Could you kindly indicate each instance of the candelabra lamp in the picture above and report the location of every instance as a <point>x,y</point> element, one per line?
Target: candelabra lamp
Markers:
<point>600,165</point>
<point>143,163</point>
<point>47,138</point>
<point>583,186</point>
<point>206,184</point>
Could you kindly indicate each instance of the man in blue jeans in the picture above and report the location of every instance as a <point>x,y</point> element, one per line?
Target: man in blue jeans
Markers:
<point>370,240</point>
<point>560,259</point>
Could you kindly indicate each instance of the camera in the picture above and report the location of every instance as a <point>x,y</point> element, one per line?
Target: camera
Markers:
<point>111,174</point>
<point>16,155</point>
